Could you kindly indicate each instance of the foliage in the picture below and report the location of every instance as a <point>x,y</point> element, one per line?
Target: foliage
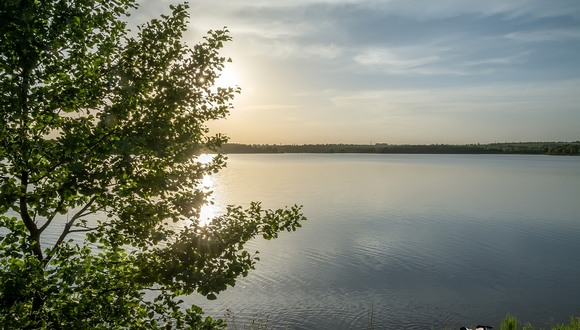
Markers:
<point>573,324</point>
<point>100,179</point>
<point>509,323</point>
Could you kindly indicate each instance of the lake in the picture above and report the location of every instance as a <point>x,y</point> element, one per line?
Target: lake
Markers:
<point>413,241</point>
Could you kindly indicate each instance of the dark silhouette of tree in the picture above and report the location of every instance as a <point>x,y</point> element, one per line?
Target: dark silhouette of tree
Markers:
<point>100,134</point>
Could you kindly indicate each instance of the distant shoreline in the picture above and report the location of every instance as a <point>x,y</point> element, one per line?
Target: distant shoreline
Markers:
<point>519,148</point>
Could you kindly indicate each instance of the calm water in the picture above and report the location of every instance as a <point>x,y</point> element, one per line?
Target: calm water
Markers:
<point>420,240</point>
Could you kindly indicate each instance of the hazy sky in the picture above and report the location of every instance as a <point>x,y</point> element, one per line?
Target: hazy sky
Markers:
<point>397,71</point>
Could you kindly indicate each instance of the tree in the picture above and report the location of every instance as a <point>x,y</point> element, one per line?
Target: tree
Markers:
<point>100,180</point>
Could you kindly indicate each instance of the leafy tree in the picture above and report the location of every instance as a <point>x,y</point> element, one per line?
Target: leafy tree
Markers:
<point>100,192</point>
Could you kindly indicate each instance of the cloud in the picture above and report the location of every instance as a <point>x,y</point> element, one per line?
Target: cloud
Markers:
<point>274,28</point>
<point>521,97</point>
<point>291,49</point>
<point>330,29</point>
<point>330,51</point>
<point>270,107</point>
<point>451,59</point>
<point>506,60</point>
<point>279,18</point>
<point>551,35</point>
<point>415,59</point>
<point>417,9</point>
<point>388,58</point>
<point>373,61</point>
<point>441,9</point>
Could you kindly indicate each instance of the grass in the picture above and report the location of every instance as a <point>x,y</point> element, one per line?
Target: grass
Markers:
<point>256,322</point>
<point>573,324</point>
<point>510,322</point>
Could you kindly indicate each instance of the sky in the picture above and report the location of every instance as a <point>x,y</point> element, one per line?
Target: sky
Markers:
<point>395,71</point>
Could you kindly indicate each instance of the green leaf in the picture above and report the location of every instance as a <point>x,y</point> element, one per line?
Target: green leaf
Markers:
<point>100,131</point>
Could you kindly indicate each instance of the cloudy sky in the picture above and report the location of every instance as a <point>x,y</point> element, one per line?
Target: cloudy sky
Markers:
<point>397,71</point>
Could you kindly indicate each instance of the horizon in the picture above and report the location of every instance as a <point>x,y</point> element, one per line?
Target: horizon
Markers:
<point>393,144</point>
<point>418,72</point>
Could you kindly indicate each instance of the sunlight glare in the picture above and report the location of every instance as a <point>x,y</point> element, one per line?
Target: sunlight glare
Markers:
<point>208,210</point>
<point>205,158</point>
<point>228,77</point>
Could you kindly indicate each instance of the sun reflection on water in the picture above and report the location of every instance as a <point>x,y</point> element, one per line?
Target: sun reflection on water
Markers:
<point>209,210</point>
<point>205,158</point>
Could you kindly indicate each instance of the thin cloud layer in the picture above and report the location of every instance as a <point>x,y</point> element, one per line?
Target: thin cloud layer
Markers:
<point>398,61</point>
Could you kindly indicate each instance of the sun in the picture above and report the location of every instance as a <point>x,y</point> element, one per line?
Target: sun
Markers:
<point>228,77</point>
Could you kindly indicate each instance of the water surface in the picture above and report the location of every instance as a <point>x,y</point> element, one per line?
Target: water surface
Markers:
<point>419,241</point>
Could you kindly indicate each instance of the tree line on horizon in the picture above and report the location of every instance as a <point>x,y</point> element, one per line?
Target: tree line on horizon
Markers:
<point>526,148</point>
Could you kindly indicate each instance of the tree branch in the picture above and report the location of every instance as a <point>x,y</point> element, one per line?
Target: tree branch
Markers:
<point>84,151</point>
<point>84,230</point>
<point>80,213</point>
<point>22,108</point>
<point>67,229</point>
<point>25,216</point>
<point>154,289</point>
<point>87,213</point>
<point>53,215</point>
